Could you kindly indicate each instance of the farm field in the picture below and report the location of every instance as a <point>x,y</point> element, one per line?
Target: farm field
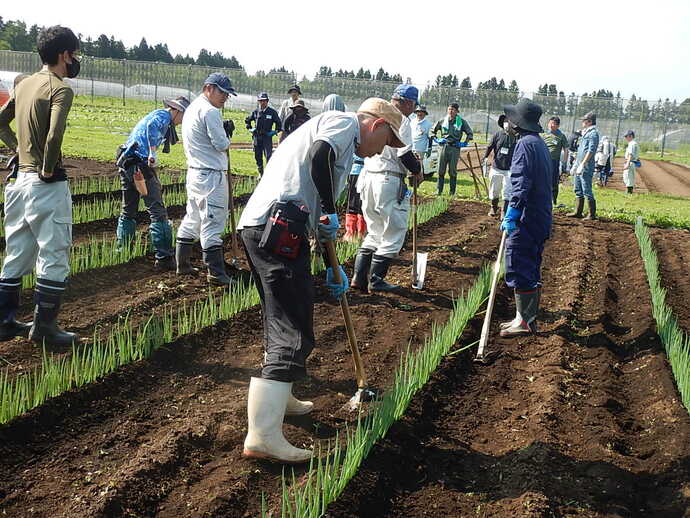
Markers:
<point>655,176</point>
<point>584,419</point>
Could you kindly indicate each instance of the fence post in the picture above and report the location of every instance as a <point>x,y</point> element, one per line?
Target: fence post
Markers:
<point>577,102</point>
<point>189,82</point>
<point>92,88</point>
<point>618,129</point>
<point>663,139</point>
<point>124,79</point>
<point>488,116</point>
<point>155,79</point>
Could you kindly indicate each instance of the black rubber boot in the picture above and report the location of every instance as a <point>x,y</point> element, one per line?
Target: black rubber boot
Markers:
<point>630,190</point>
<point>592,210</point>
<point>525,323</point>
<point>494,208</point>
<point>379,270</point>
<point>183,253</point>
<point>360,277</point>
<point>9,303</point>
<point>48,296</point>
<point>213,259</point>
<point>166,264</point>
<point>578,209</point>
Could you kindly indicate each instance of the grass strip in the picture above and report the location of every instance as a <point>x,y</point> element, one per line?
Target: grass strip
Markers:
<point>331,470</point>
<point>676,341</point>
<point>123,343</point>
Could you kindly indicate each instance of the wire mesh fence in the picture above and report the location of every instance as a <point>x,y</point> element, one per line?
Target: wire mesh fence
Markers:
<point>658,124</point>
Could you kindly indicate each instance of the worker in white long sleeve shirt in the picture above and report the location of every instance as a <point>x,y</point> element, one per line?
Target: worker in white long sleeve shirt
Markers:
<point>206,144</point>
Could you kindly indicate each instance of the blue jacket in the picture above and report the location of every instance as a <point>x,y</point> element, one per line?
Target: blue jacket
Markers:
<point>149,131</point>
<point>589,141</point>
<point>531,180</point>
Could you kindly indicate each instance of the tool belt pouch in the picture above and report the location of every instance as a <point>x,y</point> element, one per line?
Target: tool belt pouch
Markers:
<point>285,230</point>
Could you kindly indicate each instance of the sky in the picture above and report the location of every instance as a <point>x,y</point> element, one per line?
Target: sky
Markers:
<point>632,46</point>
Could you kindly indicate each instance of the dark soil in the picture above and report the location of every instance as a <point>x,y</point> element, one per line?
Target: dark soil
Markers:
<point>582,420</point>
<point>673,250</point>
<point>163,437</point>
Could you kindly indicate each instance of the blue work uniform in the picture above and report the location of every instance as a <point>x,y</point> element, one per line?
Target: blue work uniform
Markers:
<point>530,177</point>
<point>589,142</point>
<point>266,121</point>
<point>149,131</point>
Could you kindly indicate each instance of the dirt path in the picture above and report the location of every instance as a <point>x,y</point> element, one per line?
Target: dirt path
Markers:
<point>673,249</point>
<point>163,437</point>
<point>655,176</point>
<point>582,420</point>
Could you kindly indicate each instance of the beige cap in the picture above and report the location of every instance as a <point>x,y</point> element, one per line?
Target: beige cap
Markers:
<point>382,109</point>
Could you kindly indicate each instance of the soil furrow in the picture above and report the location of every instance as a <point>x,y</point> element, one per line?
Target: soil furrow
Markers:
<point>202,379</point>
<point>673,250</point>
<point>581,420</point>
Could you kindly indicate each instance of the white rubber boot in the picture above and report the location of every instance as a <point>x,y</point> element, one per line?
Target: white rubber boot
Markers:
<point>297,407</point>
<point>266,406</point>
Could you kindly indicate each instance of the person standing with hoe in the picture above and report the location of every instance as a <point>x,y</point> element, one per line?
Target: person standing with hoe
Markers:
<point>527,222</point>
<point>38,203</point>
<point>297,196</point>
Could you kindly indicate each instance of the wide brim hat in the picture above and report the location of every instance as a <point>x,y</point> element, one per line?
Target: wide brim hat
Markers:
<point>296,88</point>
<point>501,120</point>
<point>179,104</point>
<point>525,115</point>
<point>299,103</point>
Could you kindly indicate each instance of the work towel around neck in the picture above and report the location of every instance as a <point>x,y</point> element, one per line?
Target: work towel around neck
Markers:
<point>446,123</point>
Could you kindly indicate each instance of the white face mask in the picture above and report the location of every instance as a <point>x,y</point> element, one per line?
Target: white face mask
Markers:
<point>506,126</point>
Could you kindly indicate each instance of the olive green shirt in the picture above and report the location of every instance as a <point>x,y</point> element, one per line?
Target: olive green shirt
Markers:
<point>40,104</point>
<point>452,132</point>
<point>556,142</point>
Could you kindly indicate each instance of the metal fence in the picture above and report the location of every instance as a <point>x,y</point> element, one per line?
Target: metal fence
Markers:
<point>658,124</point>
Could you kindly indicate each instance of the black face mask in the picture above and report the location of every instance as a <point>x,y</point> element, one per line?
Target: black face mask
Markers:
<point>73,68</point>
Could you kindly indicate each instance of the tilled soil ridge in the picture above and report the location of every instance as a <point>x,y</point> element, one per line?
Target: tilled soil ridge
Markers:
<point>163,437</point>
<point>582,420</point>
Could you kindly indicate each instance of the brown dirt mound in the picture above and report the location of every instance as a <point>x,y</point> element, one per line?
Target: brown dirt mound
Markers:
<point>581,420</point>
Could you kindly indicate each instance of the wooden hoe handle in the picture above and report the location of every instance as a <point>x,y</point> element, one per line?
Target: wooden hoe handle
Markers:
<point>356,358</point>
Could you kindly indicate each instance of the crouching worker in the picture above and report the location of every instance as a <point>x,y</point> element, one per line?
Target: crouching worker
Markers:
<point>136,162</point>
<point>295,196</point>
<point>206,142</point>
<point>528,219</point>
<point>38,202</point>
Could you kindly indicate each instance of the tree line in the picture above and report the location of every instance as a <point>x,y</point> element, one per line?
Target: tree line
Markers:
<point>16,35</point>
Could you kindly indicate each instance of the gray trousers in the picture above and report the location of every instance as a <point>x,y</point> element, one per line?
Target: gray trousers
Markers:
<point>38,228</point>
<point>153,201</point>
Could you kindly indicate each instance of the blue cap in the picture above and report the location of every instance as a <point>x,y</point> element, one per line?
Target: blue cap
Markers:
<point>263,96</point>
<point>407,92</point>
<point>221,81</point>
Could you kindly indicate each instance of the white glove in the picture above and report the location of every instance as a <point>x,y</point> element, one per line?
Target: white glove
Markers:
<point>153,161</point>
<point>579,169</point>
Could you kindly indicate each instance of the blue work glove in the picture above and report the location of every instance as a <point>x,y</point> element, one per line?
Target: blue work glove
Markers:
<point>440,141</point>
<point>509,224</point>
<point>356,168</point>
<point>337,290</point>
<point>328,228</point>
<point>272,133</point>
<point>463,144</point>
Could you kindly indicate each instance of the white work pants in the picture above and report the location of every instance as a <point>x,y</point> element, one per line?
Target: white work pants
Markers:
<point>38,228</point>
<point>499,180</point>
<point>386,218</point>
<point>207,207</point>
<point>629,175</point>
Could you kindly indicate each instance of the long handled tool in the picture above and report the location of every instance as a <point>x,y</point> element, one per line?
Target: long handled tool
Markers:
<point>477,194</point>
<point>233,227</point>
<point>479,161</point>
<point>418,259</point>
<point>474,177</point>
<point>363,392</point>
<point>482,357</point>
